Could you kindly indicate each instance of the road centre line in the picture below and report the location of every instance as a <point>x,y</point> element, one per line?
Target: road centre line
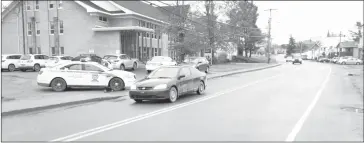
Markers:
<point>291,137</point>
<point>96,130</point>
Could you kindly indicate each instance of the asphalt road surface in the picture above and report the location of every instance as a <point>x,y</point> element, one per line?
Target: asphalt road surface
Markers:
<point>290,102</point>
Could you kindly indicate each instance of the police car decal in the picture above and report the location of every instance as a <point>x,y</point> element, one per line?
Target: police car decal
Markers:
<point>95,77</point>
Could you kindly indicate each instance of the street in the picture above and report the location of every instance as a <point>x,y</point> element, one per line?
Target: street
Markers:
<point>308,102</point>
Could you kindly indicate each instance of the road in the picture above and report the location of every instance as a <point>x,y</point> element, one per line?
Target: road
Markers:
<point>289,102</point>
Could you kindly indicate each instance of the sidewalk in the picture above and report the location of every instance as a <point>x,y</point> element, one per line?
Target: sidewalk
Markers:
<point>35,104</point>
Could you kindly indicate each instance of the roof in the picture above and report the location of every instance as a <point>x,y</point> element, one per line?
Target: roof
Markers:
<point>143,8</point>
<point>347,44</point>
<point>105,8</point>
<point>137,28</point>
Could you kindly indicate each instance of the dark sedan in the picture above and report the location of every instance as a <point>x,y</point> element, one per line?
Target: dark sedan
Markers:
<point>200,63</point>
<point>168,83</point>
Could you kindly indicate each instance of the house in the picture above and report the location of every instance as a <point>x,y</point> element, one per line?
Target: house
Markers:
<point>348,48</point>
<point>74,27</point>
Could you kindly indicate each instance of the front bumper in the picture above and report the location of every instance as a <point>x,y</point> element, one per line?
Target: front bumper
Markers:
<point>149,94</point>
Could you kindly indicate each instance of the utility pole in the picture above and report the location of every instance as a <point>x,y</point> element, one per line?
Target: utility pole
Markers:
<point>23,25</point>
<point>339,52</point>
<point>269,35</point>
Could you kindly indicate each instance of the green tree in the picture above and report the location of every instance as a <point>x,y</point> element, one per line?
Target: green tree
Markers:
<point>291,46</point>
<point>357,35</point>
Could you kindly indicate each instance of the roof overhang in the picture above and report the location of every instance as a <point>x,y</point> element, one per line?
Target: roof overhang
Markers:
<point>135,28</point>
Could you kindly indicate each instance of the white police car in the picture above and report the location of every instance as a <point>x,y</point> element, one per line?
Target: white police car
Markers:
<point>84,74</point>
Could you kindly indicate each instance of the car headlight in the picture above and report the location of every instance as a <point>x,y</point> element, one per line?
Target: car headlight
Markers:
<point>161,86</point>
<point>133,87</point>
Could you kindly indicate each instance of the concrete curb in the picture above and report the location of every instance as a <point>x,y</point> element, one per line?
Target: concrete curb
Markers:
<point>244,71</point>
<point>47,107</point>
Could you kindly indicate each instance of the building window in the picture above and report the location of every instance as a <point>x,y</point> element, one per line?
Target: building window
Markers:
<point>155,51</point>
<point>152,35</point>
<point>29,29</point>
<point>37,28</point>
<point>60,4</point>
<point>143,23</point>
<point>101,18</point>
<point>53,50</point>
<point>155,27</point>
<point>51,6</point>
<point>147,25</point>
<point>159,37</point>
<point>36,4</point>
<point>30,50</point>
<point>147,34</point>
<point>61,27</point>
<point>140,23</point>
<point>52,28</point>
<point>62,50</point>
<point>138,33</point>
<point>39,50</point>
<point>28,6</point>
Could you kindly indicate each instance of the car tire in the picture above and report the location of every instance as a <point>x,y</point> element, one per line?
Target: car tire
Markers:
<point>36,67</point>
<point>207,70</point>
<point>138,100</point>
<point>201,88</point>
<point>116,84</point>
<point>135,65</point>
<point>122,67</point>
<point>173,95</point>
<point>357,63</point>
<point>23,70</point>
<point>58,85</point>
<point>11,67</point>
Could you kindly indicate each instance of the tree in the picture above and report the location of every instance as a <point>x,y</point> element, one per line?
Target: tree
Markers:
<point>357,35</point>
<point>291,46</point>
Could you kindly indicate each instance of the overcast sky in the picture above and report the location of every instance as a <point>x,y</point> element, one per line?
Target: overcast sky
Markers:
<point>302,19</point>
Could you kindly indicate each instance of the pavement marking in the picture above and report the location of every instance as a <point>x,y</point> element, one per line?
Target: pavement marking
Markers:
<point>100,129</point>
<point>291,137</point>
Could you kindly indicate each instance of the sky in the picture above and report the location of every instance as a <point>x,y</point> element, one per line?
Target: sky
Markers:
<point>301,19</point>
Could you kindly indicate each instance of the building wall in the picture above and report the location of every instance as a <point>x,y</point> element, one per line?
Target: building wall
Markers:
<point>11,39</point>
<point>121,22</point>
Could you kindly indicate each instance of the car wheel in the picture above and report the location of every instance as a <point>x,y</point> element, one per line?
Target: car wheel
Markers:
<point>37,67</point>
<point>23,70</point>
<point>358,63</point>
<point>122,67</point>
<point>116,84</point>
<point>11,67</point>
<point>201,88</point>
<point>149,71</point>
<point>207,70</point>
<point>58,84</point>
<point>138,100</point>
<point>173,95</point>
<point>134,66</point>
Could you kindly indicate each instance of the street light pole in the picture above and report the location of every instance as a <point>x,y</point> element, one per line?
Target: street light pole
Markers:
<point>269,34</point>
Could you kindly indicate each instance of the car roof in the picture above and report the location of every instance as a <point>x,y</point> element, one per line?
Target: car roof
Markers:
<point>10,54</point>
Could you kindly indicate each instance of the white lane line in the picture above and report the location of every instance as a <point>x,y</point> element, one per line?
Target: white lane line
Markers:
<point>93,131</point>
<point>291,137</point>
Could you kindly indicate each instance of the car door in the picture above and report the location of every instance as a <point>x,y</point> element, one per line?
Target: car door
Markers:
<point>129,62</point>
<point>194,79</point>
<point>73,74</point>
<point>43,60</point>
<point>95,76</point>
<point>186,82</point>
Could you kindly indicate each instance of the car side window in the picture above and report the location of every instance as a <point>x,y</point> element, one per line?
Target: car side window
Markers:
<point>127,57</point>
<point>38,57</point>
<point>9,57</point>
<point>89,67</point>
<point>123,57</point>
<point>45,57</point>
<point>17,56</point>
<point>73,67</point>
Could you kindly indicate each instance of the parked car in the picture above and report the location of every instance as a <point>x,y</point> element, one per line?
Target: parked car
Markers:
<point>88,57</point>
<point>10,61</point>
<point>56,60</point>
<point>84,74</point>
<point>289,58</point>
<point>334,59</point>
<point>199,63</point>
<point>323,60</point>
<point>297,60</point>
<point>169,82</point>
<point>350,60</point>
<point>122,61</point>
<point>32,62</point>
<point>158,61</point>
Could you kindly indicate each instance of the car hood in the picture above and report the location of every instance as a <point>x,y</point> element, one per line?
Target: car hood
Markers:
<point>151,82</point>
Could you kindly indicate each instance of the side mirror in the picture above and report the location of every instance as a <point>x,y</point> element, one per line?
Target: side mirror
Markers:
<point>181,76</point>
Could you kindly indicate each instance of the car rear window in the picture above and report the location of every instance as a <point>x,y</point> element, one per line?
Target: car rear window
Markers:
<point>26,57</point>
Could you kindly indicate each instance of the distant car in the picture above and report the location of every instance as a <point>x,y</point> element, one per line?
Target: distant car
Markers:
<point>32,62</point>
<point>122,61</point>
<point>323,60</point>
<point>10,62</point>
<point>297,60</point>
<point>56,60</point>
<point>158,61</point>
<point>289,59</point>
<point>169,82</point>
<point>89,57</point>
<point>350,60</point>
<point>304,57</point>
<point>200,63</point>
<point>334,60</point>
<point>84,74</point>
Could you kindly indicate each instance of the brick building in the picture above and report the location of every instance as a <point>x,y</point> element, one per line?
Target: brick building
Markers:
<point>74,27</point>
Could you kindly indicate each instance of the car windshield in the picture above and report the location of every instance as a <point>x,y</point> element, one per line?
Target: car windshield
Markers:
<point>161,59</point>
<point>191,60</point>
<point>110,57</point>
<point>166,72</point>
<point>25,57</point>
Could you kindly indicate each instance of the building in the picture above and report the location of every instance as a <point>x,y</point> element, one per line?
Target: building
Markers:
<point>348,48</point>
<point>75,27</point>
<point>361,47</point>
